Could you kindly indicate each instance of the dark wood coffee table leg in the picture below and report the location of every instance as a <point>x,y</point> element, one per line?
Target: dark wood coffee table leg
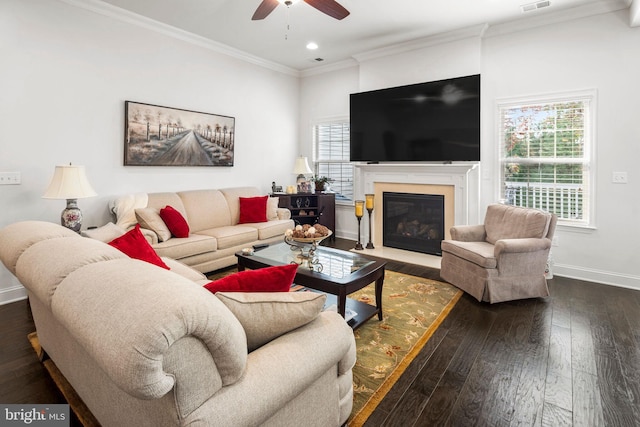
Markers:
<point>342,302</point>
<point>379,284</point>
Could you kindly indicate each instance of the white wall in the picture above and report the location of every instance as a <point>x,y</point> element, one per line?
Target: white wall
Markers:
<point>65,75</point>
<point>598,52</point>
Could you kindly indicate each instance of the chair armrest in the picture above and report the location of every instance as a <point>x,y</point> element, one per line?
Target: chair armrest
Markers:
<point>521,245</point>
<point>468,233</point>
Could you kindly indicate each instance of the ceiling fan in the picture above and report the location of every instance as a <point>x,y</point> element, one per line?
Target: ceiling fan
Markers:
<point>329,7</point>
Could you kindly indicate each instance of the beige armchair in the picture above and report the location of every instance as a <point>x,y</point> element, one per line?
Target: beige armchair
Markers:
<point>503,259</point>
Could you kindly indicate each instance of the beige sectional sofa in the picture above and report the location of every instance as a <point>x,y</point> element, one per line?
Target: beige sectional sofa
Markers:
<point>212,216</point>
<point>146,346</point>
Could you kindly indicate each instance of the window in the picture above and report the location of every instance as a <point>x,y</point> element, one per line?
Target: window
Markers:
<point>331,141</point>
<point>545,160</point>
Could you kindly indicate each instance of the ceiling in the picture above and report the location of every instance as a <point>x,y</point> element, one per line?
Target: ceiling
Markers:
<point>373,24</point>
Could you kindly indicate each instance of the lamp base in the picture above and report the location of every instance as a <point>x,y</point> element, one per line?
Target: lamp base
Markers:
<point>72,216</point>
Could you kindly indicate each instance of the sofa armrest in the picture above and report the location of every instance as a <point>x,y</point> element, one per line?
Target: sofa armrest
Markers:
<point>148,310</point>
<point>150,235</point>
<point>284,368</point>
<point>468,233</point>
<point>283,213</point>
<point>521,245</point>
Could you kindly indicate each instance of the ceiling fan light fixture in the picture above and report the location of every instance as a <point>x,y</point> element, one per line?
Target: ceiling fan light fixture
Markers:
<point>288,2</point>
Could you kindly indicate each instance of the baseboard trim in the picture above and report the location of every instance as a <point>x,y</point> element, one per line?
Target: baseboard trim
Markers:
<point>12,294</point>
<point>599,276</point>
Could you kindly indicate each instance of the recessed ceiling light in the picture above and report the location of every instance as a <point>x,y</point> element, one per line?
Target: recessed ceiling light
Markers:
<point>312,46</point>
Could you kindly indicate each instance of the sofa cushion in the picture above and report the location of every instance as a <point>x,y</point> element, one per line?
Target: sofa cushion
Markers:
<point>185,271</point>
<point>480,253</point>
<point>253,209</point>
<point>269,229</point>
<point>178,248</point>
<point>150,219</point>
<point>175,222</point>
<point>513,222</point>
<point>268,279</point>
<point>268,315</point>
<point>205,209</point>
<point>231,236</point>
<point>136,246</point>
<point>160,200</point>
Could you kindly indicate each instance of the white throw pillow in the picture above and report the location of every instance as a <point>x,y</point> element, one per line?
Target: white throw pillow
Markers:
<point>150,219</point>
<point>267,315</point>
<point>272,208</point>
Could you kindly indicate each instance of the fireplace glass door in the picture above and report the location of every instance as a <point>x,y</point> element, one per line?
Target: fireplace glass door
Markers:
<point>413,222</point>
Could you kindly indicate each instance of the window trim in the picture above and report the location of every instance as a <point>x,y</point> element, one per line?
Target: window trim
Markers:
<point>589,95</point>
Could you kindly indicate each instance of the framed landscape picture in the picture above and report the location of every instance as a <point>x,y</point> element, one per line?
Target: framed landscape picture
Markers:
<point>164,136</point>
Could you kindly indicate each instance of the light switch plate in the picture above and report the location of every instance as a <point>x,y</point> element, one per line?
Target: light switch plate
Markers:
<point>619,178</point>
<point>10,178</point>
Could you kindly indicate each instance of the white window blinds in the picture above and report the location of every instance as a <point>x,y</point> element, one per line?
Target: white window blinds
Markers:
<point>331,142</point>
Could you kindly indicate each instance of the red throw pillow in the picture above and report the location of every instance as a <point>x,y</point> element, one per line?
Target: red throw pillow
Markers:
<point>253,209</point>
<point>136,246</point>
<point>174,221</point>
<point>269,279</point>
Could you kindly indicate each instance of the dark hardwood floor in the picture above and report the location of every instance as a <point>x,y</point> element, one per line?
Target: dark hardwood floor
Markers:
<point>572,359</point>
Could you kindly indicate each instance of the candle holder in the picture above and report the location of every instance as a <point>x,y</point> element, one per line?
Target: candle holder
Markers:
<point>369,206</point>
<point>359,214</point>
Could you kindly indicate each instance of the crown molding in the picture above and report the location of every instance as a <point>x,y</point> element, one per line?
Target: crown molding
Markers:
<point>546,17</point>
<point>322,69</point>
<point>436,39</point>
<point>126,16</point>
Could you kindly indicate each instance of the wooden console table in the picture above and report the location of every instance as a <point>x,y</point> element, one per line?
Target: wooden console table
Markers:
<point>311,208</point>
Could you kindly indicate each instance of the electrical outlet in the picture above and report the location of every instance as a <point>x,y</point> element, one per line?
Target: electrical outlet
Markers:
<point>619,178</point>
<point>10,178</point>
<point>554,241</point>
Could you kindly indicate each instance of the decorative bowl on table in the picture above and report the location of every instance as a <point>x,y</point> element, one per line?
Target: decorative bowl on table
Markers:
<point>305,239</point>
<point>314,239</point>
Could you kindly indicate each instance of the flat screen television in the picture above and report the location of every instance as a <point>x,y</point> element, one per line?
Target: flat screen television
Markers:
<point>436,121</point>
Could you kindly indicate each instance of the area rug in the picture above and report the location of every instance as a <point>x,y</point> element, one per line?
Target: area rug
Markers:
<point>413,308</point>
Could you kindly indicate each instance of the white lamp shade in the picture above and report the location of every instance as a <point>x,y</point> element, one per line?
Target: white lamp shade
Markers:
<point>301,166</point>
<point>69,182</point>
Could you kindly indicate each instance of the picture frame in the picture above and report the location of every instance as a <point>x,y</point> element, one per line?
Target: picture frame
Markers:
<point>164,136</point>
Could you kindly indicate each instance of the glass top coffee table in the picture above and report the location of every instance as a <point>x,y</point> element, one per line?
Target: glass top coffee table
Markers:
<point>342,273</point>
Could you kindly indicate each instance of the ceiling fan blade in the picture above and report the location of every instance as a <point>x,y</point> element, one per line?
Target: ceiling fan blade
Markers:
<point>330,7</point>
<point>265,8</point>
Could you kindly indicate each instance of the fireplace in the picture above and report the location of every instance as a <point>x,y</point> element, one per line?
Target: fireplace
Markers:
<point>414,222</point>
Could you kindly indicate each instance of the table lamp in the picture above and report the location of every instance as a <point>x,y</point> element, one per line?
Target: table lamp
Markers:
<point>70,182</point>
<point>301,167</point>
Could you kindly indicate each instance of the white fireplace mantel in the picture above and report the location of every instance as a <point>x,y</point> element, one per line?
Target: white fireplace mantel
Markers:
<point>464,177</point>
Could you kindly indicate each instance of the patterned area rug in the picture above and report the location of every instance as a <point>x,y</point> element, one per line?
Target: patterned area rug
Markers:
<point>413,309</point>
